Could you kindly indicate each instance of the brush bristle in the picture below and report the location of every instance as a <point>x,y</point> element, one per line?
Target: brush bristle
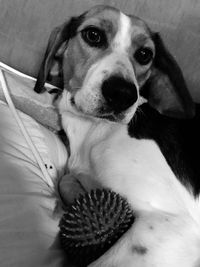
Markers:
<point>93,223</point>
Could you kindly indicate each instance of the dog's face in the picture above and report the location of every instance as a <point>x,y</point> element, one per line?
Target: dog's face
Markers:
<point>107,60</point>
<point>111,58</point>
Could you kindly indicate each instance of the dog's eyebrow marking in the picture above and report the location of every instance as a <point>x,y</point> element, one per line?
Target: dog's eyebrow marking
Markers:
<point>122,39</point>
<point>140,250</point>
<point>141,39</point>
<point>106,24</point>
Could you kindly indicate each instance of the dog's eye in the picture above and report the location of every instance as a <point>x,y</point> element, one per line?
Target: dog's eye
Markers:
<point>94,37</point>
<point>143,55</point>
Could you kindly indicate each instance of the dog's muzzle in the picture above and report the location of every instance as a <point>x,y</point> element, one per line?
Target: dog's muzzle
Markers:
<point>119,94</point>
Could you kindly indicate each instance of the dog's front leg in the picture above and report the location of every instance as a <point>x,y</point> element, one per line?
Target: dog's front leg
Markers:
<point>79,178</point>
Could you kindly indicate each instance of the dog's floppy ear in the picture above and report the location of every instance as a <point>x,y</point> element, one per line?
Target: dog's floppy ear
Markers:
<point>166,89</point>
<point>51,67</point>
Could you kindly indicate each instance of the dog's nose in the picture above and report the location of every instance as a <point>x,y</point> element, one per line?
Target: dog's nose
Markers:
<point>119,93</point>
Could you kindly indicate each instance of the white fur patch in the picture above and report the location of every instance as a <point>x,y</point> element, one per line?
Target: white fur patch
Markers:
<point>122,40</point>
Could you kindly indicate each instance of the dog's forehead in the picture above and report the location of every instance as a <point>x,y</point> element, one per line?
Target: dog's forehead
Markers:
<point>114,21</point>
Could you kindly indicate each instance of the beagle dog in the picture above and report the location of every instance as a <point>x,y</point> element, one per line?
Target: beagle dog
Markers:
<point>131,126</point>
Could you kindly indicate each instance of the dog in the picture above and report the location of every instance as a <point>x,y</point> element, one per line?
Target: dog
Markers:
<point>132,128</point>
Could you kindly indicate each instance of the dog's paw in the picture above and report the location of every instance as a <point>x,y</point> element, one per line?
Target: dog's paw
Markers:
<point>70,188</point>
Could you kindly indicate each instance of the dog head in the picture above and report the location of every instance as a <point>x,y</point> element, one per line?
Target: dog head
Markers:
<point>107,60</point>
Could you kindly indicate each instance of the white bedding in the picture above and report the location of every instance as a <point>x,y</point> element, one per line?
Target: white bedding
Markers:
<point>28,218</point>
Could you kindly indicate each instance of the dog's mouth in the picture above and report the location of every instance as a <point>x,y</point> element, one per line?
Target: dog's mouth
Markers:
<point>109,117</point>
<point>103,113</point>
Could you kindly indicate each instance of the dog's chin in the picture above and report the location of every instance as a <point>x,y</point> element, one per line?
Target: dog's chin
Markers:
<point>99,114</point>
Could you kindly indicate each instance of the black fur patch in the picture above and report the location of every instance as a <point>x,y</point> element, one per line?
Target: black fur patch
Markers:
<point>71,27</point>
<point>178,139</point>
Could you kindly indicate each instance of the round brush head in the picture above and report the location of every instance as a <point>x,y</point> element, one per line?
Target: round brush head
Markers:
<point>92,224</point>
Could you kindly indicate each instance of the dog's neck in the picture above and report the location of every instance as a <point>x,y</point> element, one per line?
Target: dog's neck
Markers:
<point>82,128</point>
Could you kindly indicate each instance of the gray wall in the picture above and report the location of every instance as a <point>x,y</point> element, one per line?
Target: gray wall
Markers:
<point>25,26</point>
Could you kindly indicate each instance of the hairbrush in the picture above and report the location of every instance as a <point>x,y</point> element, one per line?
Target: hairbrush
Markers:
<point>92,224</point>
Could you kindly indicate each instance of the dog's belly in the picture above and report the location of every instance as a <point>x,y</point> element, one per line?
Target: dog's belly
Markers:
<point>156,239</point>
<point>137,170</point>
<point>165,232</point>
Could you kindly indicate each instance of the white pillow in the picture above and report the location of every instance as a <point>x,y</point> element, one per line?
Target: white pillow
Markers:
<point>28,216</point>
